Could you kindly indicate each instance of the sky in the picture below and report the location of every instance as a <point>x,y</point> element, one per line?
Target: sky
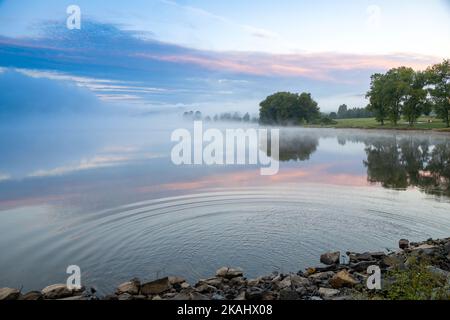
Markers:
<point>216,56</point>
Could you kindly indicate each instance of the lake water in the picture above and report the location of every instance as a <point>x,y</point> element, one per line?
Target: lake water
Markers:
<point>109,199</point>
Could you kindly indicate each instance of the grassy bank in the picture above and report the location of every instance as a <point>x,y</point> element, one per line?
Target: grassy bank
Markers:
<point>424,123</point>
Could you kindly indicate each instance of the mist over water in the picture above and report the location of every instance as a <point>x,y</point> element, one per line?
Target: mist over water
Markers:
<point>101,192</point>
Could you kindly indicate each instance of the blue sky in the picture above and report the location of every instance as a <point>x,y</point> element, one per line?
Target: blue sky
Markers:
<point>219,55</point>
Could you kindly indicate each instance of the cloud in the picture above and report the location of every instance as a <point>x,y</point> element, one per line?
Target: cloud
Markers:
<point>25,95</point>
<point>123,67</point>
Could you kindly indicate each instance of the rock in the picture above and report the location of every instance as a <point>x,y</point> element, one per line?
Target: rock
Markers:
<point>9,294</point>
<point>447,247</point>
<point>288,294</point>
<point>157,297</point>
<point>32,295</point>
<point>362,265</point>
<point>403,244</point>
<point>139,297</point>
<point>176,280</point>
<point>216,296</point>
<point>241,296</point>
<point>330,258</point>
<point>427,249</point>
<point>285,283</point>
<point>125,296</point>
<point>315,298</point>
<point>328,293</point>
<point>310,271</point>
<point>182,296</point>
<point>56,291</point>
<point>392,260</point>
<point>205,288</point>
<point>254,293</point>
<point>198,296</point>
<point>342,279</point>
<point>73,298</point>
<point>229,273</point>
<point>185,285</point>
<point>439,272</point>
<point>322,275</point>
<point>155,287</point>
<point>132,287</point>
<point>298,281</point>
<point>253,282</point>
<point>357,257</point>
<point>268,295</point>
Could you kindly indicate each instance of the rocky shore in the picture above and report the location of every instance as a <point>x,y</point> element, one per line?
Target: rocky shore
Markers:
<point>414,271</point>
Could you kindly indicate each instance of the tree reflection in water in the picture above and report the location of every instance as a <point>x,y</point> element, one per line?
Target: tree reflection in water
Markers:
<point>399,163</point>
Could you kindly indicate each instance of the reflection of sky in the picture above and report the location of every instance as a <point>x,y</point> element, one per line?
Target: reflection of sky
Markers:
<point>73,167</point>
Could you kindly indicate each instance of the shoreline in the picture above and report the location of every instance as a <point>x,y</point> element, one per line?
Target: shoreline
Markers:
<point>344,277</point>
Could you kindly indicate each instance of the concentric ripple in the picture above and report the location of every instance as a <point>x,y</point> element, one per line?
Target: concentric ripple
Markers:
<point>258,229</point>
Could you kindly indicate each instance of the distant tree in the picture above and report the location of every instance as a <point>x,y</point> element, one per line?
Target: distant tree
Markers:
<point>333,115</point>
<point>439,80</point>
<point>216,117</point>
<point>208,118</point>
<point>198,115</point>
<point>236,117</point>
<point>288,108</point>
<point>342,111</point>
<point>246,117</point>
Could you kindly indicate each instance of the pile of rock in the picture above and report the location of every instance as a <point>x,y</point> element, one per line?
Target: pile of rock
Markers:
<point>335,281</point>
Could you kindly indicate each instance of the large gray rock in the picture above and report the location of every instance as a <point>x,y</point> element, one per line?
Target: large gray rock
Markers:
<point>9,294</point>
<point>155,287</point>
<point>229,273</point>
<point>131,287</point>
<point>56,291</point>
<point>330,258</point>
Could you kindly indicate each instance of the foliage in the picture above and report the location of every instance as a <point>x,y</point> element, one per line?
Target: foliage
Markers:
<point>438,78</point>
<point>416,283</point>
<point>288,108</point>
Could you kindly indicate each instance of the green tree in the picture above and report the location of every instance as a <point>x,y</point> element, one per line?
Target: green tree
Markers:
<point>415,102</point>
<point>288,108</point>
<point>342,111</point>
<point>397,86</point>
<point>376,97</point>
<point>439,82</point>
<point>246,117</point>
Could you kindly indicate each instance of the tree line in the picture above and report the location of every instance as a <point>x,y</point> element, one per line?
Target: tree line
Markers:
<point>226,116</point>
<point>404,92</point>
<point>345,113</point>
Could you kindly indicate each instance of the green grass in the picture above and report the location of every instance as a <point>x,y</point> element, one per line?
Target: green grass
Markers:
<point>371,123</point>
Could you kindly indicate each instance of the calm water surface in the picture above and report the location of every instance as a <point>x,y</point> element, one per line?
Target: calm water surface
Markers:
<point>110,200</point>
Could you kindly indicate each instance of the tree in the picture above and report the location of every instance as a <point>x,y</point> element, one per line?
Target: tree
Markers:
<point>246,117</point>
<point>288,108</point>
<point>396,87</point>
<point>415,102</point>
<point>375,96</point>
<point>342,111</point>
<point>333,115</point>
<point>439,80</point>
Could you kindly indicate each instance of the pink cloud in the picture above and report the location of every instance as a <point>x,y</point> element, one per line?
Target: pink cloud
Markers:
<point>318,66</point>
